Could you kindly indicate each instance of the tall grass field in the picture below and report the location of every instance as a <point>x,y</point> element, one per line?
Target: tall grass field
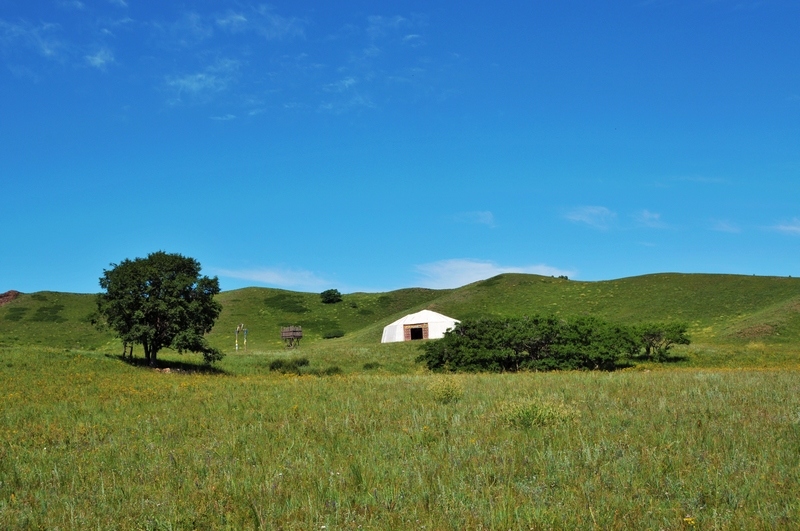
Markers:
<point>710,440</point>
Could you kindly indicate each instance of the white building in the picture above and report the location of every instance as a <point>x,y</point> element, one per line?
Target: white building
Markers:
<point>421,325</point>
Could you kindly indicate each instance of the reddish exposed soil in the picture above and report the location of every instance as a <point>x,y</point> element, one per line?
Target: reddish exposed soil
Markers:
<point>8,296</point>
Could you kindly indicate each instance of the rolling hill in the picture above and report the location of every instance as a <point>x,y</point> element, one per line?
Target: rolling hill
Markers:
<point>720,309</point>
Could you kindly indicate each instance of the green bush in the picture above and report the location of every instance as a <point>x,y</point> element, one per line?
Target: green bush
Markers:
<point>330,296</point>
<point>292,365</point>
<point>530,343</point>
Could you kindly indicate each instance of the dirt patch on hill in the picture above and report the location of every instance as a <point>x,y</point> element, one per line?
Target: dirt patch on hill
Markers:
<point>8,296</point>
<point>757,331</point>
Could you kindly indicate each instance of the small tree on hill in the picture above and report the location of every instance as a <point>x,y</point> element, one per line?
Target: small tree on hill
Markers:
<point>658,338</point>
<point>330,296</point>
<point>161,301</point>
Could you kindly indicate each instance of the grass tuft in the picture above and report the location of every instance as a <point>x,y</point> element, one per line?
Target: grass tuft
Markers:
<point>446,389</point>
<point>524,413</point>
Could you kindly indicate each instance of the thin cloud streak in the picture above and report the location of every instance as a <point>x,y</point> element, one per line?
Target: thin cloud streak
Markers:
<point>725,226</point>
<point>446,274</point>
<point>262,21</point>
<point>597,217</point>
<point>652,220</point>
<point>792,227</point>
<point>478,217</point>
<point>284,278</point>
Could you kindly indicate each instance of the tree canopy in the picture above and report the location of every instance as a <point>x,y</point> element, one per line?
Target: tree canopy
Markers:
<point>541,343</point>
<point>161,302</point>
<point>330,296</point>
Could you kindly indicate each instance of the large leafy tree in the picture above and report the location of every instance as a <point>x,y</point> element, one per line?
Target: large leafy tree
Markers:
<point>161,302</point>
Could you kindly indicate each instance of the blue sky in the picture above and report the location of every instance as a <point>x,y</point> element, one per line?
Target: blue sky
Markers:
<point>370,146</point>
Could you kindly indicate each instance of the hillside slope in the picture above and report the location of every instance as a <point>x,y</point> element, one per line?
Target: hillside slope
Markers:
<point>720,309</point>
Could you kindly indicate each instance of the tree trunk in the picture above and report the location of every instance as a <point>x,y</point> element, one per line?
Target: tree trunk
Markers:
<point>149,355</point>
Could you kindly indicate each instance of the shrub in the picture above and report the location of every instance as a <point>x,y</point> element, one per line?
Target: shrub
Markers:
<point>292,365</point>
<point>331,334</point>
<point>300,366</point>
<point>530,343</point>
<point>525,413</point>
<point>446,390</point>
<point>330,296</point>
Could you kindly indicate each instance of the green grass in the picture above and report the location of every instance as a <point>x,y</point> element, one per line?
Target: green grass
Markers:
<point>366,438</point>
<point>90,442</point>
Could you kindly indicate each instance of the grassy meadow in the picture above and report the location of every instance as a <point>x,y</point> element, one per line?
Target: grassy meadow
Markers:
<point>710,440</point>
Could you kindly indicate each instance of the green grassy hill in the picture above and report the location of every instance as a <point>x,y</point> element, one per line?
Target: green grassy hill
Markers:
<point>720,309</point>
<point>264,311</point>
<point>51,319</point>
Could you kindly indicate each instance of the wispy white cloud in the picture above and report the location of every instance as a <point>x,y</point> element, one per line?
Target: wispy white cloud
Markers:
<point>699,179</point>
<point>100,59</point>
<point>264,21</point>
<point>214,78</point>
<point>234,22</point>
<point>277,27</point>
<point>191,28</point>
<point>196,83</point>
<point>478,217</point>
<point>598,217</point>
<point>72,4</point>
<point>370,52</point>
<point>342,85</point>
<point>725,226</point>
<point>652,220</point>
<point>358,101</point>
<point>378,26</point>
<point>459,272</point>
<point>188,31</point>
<point>414,40</point>
<point>790,227</point>
<point>284,278</point>
<point>41,38</point>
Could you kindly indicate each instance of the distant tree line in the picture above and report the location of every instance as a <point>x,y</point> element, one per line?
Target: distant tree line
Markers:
<point>544,343</point>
